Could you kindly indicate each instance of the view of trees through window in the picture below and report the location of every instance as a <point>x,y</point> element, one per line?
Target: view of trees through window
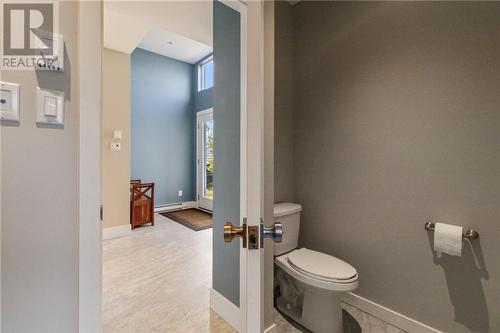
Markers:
<point>209,159</point>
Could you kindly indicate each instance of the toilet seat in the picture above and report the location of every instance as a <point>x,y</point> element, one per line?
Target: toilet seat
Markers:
<point>319,270</point>
<point>322,266</point>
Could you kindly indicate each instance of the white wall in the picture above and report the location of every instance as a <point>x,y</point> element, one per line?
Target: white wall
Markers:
<point>126,22</point>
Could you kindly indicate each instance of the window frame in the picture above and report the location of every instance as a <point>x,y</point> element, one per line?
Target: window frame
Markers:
<point>201,73</point>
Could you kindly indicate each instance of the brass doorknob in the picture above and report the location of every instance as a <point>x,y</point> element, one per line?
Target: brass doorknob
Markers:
<point>231,232</point>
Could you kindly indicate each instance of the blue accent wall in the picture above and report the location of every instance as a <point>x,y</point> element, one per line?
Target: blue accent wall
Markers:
<point>162,131</point>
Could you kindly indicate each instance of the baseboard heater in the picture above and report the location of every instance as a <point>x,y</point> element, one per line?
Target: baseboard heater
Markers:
<point>174,206</point>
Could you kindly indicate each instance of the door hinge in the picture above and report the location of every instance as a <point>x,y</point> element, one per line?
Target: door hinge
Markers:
<point>101,212</point>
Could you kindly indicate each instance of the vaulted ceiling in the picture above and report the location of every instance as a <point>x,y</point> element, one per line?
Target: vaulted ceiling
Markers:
<point>188,24</point>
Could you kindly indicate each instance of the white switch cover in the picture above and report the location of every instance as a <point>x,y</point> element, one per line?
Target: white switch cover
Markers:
<point>116,146</point>
<point>50,107</point>
<point>180,193</point>
<point>117,134</point>
<point>9,101</point>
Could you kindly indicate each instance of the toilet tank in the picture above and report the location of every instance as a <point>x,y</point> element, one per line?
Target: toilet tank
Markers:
<point>289,215</point>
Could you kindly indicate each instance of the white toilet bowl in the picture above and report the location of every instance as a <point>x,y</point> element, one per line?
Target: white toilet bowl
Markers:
<point>309,282</point>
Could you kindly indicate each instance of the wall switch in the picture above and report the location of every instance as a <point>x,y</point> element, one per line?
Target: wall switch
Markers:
<point>180,193</point>
<point>9,101</point>
<point>50,107</point>
<point>116,146</point>
<point>117,134</point>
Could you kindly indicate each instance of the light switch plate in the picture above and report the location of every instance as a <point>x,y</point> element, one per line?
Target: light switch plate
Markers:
<point>117,134</point>
<point>50,107</point>
<point>9,102</point>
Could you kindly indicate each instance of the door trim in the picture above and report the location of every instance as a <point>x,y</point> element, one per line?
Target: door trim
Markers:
<point>225,309</point>
<point>90,46</point>
<point>254,261</point>
<point>204,112</point>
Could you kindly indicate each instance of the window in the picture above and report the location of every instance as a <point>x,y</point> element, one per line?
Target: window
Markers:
<point>206,74</point>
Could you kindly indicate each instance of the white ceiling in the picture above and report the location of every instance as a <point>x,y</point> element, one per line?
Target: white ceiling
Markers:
<point>127,24</point>
<point>174,46</point>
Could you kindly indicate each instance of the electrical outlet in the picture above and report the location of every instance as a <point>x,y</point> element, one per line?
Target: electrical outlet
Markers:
<point>116,146</point>
<point>180,193</point>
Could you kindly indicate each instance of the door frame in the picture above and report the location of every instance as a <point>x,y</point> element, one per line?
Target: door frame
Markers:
<point>90,227</point>
<point>199,153</point>
<point>90,48</point>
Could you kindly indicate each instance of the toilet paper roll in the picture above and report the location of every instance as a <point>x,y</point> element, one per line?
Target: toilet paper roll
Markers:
<point>448,239</point>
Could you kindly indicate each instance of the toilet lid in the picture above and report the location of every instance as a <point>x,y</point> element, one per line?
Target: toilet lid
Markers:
<point>321,265</point>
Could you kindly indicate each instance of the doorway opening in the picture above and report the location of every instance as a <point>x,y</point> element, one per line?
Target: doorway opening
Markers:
<point>158,235</point>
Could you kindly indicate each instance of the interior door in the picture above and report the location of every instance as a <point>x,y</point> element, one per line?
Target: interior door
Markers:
<point>205,159</point>
<point>237,284</point>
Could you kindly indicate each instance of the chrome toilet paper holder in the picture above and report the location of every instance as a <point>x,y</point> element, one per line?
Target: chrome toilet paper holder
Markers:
<point>468,234</point>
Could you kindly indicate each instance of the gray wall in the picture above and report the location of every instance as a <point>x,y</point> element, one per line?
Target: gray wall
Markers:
<point>40,202</point>
<point>162,139</point>
<point>283,103</point>
<point>396,122</point>
<point>226,205</point>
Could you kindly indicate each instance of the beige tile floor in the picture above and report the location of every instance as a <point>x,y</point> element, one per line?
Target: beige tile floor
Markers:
<point>157,279</point>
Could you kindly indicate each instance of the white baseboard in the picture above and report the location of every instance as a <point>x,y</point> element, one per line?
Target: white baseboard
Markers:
<point>392,317</point>
<point>271,329</point>
<point>227,310</point>
<point>179,206</point>
<point>115,232</point>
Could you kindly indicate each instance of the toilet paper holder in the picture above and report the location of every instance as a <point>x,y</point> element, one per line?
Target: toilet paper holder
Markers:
<point>469,234</point>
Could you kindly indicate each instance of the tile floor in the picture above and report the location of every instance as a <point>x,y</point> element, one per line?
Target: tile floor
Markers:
<point>144,279</point>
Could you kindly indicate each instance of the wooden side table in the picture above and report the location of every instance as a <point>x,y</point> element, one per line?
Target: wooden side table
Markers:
<point>141,203</point>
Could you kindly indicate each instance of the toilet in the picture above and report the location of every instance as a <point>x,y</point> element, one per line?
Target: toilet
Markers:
<point>308,283</point>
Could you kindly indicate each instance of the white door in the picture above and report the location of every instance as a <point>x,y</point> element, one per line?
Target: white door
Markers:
<point>205,159</point>
<point>238,256</point>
